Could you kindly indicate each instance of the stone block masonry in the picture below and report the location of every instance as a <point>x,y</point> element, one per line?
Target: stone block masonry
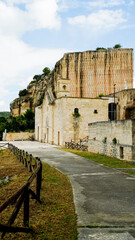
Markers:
<point>20,136</point>
<point>115,139</point>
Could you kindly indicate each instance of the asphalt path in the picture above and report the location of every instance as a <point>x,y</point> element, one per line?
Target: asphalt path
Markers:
<point>104,198</point>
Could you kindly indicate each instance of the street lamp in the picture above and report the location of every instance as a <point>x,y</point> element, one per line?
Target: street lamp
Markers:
<point>114,102</point>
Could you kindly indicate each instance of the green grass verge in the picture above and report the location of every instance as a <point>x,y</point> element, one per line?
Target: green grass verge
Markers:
<point>129,172</point>
<point>105,160</point>
<point>54,218</point>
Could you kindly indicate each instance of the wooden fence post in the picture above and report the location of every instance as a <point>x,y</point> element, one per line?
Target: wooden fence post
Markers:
<point>30,163</point>
<point>20,152</point>
<point>23,153</point>
<point>26,208</point>
<point>38,181</point>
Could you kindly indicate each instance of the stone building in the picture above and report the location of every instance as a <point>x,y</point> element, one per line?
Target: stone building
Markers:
<point>64,118</point>
<point>70,98</point>
<point>125,103</point>
<point>114,138</point>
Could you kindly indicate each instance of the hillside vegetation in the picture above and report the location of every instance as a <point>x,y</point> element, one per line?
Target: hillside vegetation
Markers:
<point>4,114</point>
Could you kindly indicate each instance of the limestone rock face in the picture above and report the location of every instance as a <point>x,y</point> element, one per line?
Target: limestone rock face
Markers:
<point>94,72</point>
<point>89,73</point>
<point>31,100</point>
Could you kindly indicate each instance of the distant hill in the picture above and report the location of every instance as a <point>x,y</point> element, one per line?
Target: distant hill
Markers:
<point>4,114</point>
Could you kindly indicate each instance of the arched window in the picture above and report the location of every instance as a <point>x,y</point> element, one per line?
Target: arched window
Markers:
<point>64,87</point>
<point>76,110</point>
<point>112,111</point>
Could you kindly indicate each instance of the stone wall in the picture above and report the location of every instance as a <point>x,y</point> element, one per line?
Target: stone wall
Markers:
<point>94,72</point>
<point>113,138</point>
<point>59,123</point>
<point>17,136</point>
<point>38,123</point>
<point>125,103</point>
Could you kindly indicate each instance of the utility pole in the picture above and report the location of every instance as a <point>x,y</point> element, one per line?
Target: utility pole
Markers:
<point>114,102</point>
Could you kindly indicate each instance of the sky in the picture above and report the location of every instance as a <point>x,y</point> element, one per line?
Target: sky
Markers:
<point>36,33</point>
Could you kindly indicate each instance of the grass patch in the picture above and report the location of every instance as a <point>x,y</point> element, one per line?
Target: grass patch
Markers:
<point>55,218</point>
<point>129,172</point>
<point>105,160</point>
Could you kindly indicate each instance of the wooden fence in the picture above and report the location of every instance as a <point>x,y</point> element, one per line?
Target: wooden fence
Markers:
<point>80,145</point>
<point>3,145</point>
<point>33,165</point>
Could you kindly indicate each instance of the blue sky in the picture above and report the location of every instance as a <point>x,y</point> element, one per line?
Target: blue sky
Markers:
<point>36,33</point>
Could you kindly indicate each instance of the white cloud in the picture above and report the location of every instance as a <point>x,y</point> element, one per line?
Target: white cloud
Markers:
<point>2,103</point>
<point>38,14</point>
<point>18,62</point>
<point>3,92</point>
<point>106,3</point>
<point>43,14</point>
<point>102,19</point>
<point>18,58</point>
<point>98,4</point>
<point>69,4</point>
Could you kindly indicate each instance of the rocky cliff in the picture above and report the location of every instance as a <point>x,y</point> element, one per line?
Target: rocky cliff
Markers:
<point>94,72</point>
<point>33,98</point>
<point>90,73</point>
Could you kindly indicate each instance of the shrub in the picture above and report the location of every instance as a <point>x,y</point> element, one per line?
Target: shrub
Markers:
<point>117,46</point>
<point>76,115</point>
<point>46,71</point>
<point>101,95</point>
<point>23,92</point>
<point>114,141</point>
<point>100,48</point>
<point>105,140</point>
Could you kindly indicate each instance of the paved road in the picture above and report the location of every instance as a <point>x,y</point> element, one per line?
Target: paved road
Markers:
<point>103,196</point>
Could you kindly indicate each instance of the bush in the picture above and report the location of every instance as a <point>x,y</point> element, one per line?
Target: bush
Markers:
<point>76,115</point>
<point>105,140</point>
<point>20,123</point>
<point>46,71</point>
<point>32,138</point>
<point>100,48</point>
<point>117,46</point>
<point>114,141</point>
<point>101,95</point>
<point>23,92</point>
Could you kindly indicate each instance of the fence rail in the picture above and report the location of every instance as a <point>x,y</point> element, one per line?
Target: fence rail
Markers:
<point>34,166</point>
<point>3,145</point>
<point>80,145</point>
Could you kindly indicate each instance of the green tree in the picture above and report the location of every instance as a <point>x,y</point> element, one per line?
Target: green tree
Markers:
<point>13,125</point>
<point>100,48</point>
<point>29,118</point>
<point>37,77</point>
<point>23,92</point>
<point>3,126</point>
<point>46,71</point>
<point>117,46</point>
